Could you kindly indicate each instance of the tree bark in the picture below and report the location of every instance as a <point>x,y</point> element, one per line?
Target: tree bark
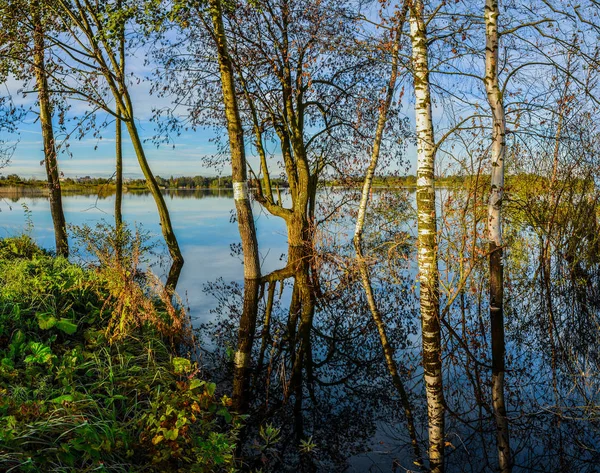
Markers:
<point>427,240</point>
<point>163,211</point>
<point>119,177</point>
<point>119,143</point>
<point>362,265</point>
<point>495,99</point>
<point>245,217</point>
<point>50,158</point>
<point>237,148</point>
<point>381,122</point>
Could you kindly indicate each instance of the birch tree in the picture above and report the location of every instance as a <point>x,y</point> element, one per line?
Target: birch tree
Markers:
<point>397,34</point>
<point>427,239</point>
<point>494,224</point>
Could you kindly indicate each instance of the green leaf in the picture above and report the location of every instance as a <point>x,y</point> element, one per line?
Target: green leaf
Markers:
<point>196,383</point>
<point>182,365</point>
<point>46,321</point>
<point>225,413</point>
<point>211,388</point>
<point>172,434</point>
<point>66,326</point>
<point>61,399</point>
<point>18,340</point>
<point>40,353</point>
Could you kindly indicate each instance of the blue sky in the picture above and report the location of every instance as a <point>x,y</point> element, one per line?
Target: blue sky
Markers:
<point>96,157</point>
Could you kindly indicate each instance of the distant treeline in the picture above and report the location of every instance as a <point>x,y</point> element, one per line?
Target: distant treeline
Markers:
<point>225,182</point>
<point>180,182</point>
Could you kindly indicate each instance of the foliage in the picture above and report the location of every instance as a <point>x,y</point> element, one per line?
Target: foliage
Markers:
<point>132,297</point>
<point>72,401</point>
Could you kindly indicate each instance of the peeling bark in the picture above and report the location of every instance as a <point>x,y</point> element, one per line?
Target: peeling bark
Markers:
<point>495,100</point>
<point>427,240</point>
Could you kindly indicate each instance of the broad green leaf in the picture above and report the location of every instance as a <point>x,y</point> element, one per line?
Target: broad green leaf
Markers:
<point>66,326</point>
<point>46,321</point>
<point>172,434</point>
<point>196,383</point>
<point>61,399</point>
<point>182,365</point>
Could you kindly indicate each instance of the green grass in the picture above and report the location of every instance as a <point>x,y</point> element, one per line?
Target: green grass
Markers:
<point>70,401</point>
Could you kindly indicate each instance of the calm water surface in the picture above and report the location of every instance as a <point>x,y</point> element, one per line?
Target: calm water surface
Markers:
<point>345,401</point>
<point>202,221</point>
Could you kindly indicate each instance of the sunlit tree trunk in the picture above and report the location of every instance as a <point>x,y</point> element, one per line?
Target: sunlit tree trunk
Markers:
<point>244,215</point>
<point>495,99</point>
<point>360,222</point>
<point>381,122</point>
<point>427,240</point>
<point>90,22</point>
<point>163,211</point>
<point>50,158</point>
<point>119,144</point>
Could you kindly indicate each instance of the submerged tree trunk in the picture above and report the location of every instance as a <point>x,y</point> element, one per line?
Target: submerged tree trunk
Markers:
<point>245,217</point>
<point>50,158</point>
<point>362,265</point>
<point>495,100</point>
<point>427,240</point>
<point>119,177</point>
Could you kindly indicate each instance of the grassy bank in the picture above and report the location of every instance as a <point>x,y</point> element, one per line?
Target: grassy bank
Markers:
<point>93,376</point>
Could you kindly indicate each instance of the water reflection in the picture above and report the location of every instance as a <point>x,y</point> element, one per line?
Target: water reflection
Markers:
<point>302,353</point>
<point>318,371</point>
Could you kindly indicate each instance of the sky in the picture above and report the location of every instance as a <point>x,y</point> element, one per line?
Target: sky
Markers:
<point>94,157</point>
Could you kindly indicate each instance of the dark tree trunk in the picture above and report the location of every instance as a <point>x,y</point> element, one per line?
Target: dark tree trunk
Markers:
<point>50,158</point>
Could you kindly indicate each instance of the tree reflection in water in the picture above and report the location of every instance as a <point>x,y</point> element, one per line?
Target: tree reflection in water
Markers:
<point>319,377</point>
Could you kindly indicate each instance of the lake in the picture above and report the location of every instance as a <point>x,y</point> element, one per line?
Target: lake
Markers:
<point>344,402</point>
<point>201,219</point>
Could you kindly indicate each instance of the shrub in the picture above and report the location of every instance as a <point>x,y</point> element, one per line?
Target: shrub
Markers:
<point>72,401</point>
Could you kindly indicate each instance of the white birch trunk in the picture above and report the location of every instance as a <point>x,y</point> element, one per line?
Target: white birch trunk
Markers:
<point>498,150</point>
<point>427,240</point>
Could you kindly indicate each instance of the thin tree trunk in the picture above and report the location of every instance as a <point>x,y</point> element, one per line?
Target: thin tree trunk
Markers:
<point>244,214</point>
<point>495,100</point>
<point>50,158</point>
<point>381,122</point>
<point>119,177</point>
<point>86,17</point>
<point>360,222</point>
<point>163,211</point>
<point>119,144</point>
<point>427,241</point>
